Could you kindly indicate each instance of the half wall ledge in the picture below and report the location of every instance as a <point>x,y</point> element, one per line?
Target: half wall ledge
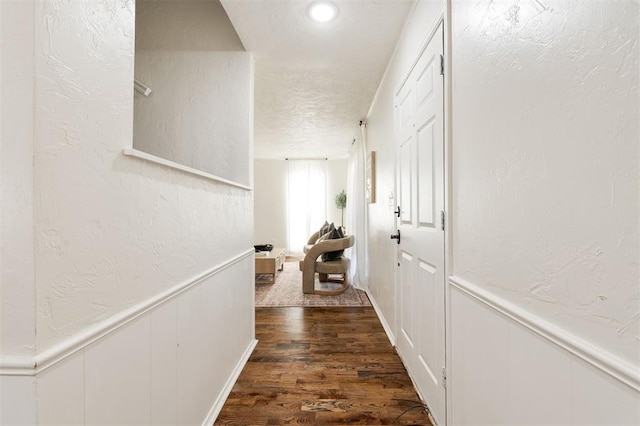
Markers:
<point>158,160</point>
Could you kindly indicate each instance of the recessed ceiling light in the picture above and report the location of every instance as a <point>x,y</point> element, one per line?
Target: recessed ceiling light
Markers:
<point>323,11</point>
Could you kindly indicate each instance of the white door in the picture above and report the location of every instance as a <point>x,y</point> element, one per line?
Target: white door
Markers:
<point>420,192</point>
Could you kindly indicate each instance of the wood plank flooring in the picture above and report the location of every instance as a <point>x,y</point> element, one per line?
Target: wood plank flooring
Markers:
<point>322,366</point>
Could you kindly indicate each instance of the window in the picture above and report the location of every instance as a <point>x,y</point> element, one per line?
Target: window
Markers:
<point>307,195</point>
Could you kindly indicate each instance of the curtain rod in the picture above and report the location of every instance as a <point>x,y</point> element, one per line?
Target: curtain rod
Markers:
<point>325,158</point>
<point>362,123</point>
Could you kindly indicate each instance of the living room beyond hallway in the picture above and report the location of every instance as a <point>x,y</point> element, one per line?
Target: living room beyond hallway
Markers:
<point>293,198</point>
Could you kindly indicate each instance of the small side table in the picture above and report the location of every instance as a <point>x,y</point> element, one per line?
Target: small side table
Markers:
<point>270,263</point>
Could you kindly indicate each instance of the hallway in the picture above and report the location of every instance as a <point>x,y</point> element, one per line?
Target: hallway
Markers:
<point>322,366</point>
<point>127,293</point>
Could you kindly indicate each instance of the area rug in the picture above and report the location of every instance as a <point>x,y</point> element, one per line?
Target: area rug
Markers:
<point>287,291</point>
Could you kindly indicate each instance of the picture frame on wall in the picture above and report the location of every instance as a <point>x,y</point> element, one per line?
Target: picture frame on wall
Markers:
<point>370,178</point>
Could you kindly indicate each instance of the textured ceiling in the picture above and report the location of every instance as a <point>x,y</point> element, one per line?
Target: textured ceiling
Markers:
<point>314,82</point>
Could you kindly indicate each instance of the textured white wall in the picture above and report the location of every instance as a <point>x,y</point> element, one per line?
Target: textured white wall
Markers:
<point>17,280</point>
<point>545,149</point>
<point>198,113</point>
<point>544,209</point>
<point>88,236</point>
<point>197,25</point>
<point>111,231</point>
<point>17,286</point>
<point>270,192</point>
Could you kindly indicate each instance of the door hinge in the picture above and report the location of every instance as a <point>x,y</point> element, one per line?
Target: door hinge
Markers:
<point>442,219</point>
<point>441,64</point>
<point>444,377</point>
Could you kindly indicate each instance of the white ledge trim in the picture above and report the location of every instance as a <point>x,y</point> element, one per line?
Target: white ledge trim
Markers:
<point>158,160</point>
<point>605,361</point>
<point>17,365</point>
<point>31,365</point>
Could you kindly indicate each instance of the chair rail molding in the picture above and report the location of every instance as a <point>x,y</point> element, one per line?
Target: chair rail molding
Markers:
<point>592,354</point>
<point>31,365</point>
<point>17,365</point>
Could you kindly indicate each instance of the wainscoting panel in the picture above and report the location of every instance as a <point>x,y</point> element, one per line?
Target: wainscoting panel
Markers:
<point>480,356</point>
<point>537,371</point>
<point>195,356</point>
<point>118,378</point>
<point>172,362</point>
<point>164,341</point>
<point>503,372</point>
<point>213,323</point>
<point>17,400</point>
<point>61,393</point>
<point>599,398</point>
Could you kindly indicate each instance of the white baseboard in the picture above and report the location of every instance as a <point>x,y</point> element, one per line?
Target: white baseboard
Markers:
<point>228,387</point>
<point>592,354</point>
<point>383,321</point>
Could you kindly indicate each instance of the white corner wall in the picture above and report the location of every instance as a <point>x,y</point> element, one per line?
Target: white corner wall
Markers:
<point>198,114</point>
<point>17,289</point>
<point>545,211</point>
<point>17,281</point>
<point>270,192</point>
<point>200,109</point>
<point>544,207</point>
<point>184,25</point>
<point>142,301</point>
<point>546,180</point>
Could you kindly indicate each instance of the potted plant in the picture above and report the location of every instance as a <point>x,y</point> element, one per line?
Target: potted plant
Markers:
<point>341,203</point>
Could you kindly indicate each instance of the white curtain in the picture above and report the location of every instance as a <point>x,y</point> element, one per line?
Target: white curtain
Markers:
<point>357,220</point>
<point>307,196</point>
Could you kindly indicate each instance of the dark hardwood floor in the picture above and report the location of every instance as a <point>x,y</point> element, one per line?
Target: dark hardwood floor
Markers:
<point>322,366</point>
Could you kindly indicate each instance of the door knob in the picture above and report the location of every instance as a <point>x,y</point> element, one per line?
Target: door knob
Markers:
<point>397,211</point>
<point>396,236</point>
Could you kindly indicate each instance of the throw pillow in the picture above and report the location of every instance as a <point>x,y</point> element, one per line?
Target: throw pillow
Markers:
<point>324,233</point>
<point>324,229</point>
<point>333,234</point>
